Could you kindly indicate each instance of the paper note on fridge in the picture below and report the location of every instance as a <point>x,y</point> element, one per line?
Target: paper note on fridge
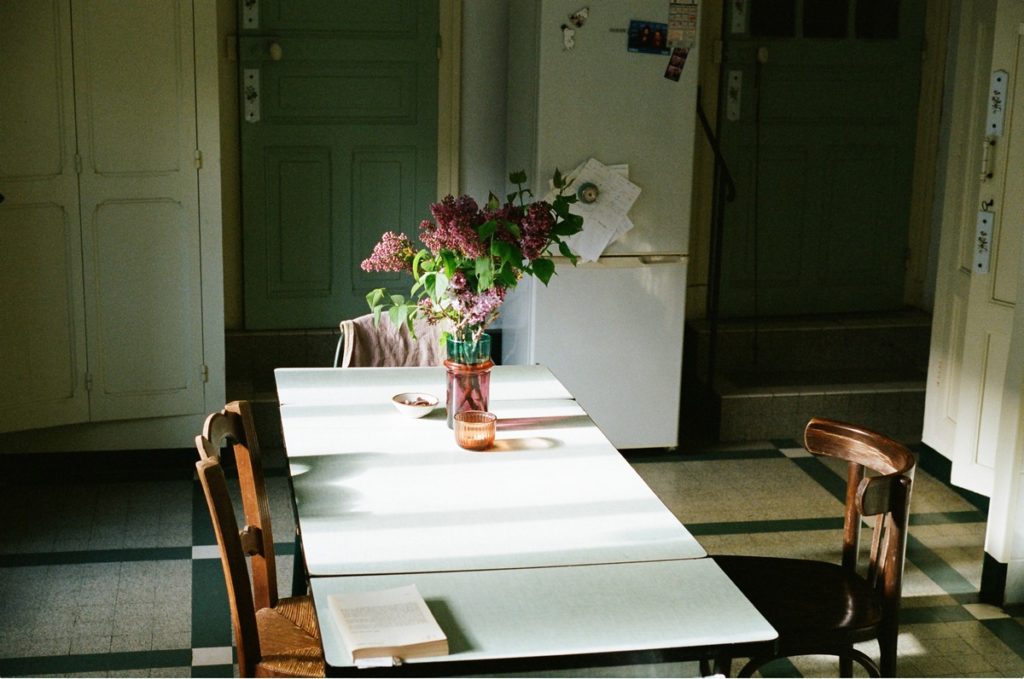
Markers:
<point>605,219</point>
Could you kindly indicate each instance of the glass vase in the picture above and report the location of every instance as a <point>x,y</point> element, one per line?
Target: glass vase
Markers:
<point>469,375</point>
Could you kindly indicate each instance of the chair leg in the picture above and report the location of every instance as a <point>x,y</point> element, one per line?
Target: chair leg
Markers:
<point>299,584</point>
<point>845,666</point>
<point>887,652</point>
<point>721,664</point>
<point>754,664</point>
<point>867,663</point>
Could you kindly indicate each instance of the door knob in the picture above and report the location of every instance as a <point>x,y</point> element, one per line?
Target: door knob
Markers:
<point>275,51</point>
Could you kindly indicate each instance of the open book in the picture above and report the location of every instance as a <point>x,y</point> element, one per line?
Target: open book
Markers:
<point>387,623</point>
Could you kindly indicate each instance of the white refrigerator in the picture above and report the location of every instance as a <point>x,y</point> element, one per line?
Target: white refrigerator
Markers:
<point>610,330</point>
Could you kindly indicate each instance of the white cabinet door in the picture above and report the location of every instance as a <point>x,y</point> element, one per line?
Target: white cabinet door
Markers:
<point>101,305</point>
<point>42,319</point>
<point>136,111</point>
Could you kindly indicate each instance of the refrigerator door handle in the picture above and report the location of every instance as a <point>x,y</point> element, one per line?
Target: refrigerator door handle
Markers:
<point>660,259</point>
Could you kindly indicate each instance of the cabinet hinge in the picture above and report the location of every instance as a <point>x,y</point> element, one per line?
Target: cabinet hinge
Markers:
<point>204,372</point>
<point>78,164</point>
<point>88,381</point>
<point>198,159</point>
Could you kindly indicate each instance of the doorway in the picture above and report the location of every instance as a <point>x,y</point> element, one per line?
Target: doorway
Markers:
<point>817,119</point>
<point>339,129</point>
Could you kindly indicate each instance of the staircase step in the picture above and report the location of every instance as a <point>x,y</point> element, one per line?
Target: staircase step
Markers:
<point>896,410</point>
<point>773,375</point>
<point>877,343</point>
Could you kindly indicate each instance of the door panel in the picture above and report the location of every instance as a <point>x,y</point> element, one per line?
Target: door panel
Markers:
<point>947,378</point>
<point>345,148</point>
<point>990,310</point>
<point>139,187</point>
<point>142,302</point>
<point>42,315</point>
<point>822,150</point>
<point>383,192</point>
<point>298,221</point>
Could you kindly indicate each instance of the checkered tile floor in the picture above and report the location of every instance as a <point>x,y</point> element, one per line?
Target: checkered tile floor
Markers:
<point>101,576</point>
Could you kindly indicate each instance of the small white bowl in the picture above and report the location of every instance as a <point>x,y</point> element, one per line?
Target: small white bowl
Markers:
<point>414,404</point>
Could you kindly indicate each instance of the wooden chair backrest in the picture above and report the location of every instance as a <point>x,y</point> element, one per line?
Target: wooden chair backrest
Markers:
<point>236,576</point>
<point>235,425</point>
<point>884,494</point>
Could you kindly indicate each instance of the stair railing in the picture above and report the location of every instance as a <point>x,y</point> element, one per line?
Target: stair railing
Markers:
<point>724,191</point>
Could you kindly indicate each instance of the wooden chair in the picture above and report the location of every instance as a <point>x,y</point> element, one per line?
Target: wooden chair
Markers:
<point>274,637</point>
<point>365,343</point>
<point>824,608</point>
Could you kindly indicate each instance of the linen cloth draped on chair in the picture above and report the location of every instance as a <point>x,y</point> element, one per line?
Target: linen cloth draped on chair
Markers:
<point>824,608</point>
<point>365,344</point>
<point>274,637</point>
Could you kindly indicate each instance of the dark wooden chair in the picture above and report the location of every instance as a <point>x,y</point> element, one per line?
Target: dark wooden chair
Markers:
<point>274,637</point>
<point>824,608</point>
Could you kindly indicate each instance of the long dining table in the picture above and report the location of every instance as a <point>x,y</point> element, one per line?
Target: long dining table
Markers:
<point>546,551</point>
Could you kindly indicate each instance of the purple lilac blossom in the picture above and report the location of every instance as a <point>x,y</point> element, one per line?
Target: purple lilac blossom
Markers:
<point>536,230</point>
<point>393,253</point>
<point>455,229</point>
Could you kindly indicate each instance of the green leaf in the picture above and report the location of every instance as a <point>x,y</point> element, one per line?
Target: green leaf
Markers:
<point>501,249</point>
<point>484,273</point>
<point>398,315</point>
<point>487,229</point>
<point>493,202</point>
<point>568,226</point>
<point>543,269</point>
<point>558,180</point>
<point>507,277</point>
<point>376,313</point>
<point>374,297</point>
<point>565,251</point>
<point>450,261</point>
<point>416,262</point>
<point>440,286</point>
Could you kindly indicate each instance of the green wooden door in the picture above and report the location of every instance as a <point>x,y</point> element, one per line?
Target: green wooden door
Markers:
<point>818,120</point>
<point>339,143</point>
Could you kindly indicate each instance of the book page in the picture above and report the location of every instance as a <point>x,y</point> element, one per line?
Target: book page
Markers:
<point>384,619</point>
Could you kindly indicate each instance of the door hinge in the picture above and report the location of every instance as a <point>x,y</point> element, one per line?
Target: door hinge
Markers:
<point>197,159</point>
<point>78,164</point>
<point>88,381</point>
<point>204,372</point>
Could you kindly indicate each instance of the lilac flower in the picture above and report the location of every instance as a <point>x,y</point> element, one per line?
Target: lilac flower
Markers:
<point>455,229</point>
<point>393,253</point>
<point>535,229</point>
<point>473,257</point>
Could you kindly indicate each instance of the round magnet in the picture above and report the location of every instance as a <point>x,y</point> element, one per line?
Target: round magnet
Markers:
<point>588,193</point>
